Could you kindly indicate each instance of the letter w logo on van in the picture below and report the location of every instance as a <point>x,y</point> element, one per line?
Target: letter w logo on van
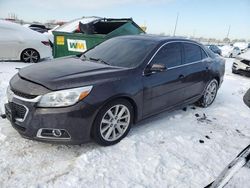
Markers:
<point>77,45</point>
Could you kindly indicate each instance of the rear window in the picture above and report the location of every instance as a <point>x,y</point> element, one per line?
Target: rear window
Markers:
<point>203,54</point>
<point>245,62</point>
<point>192,53</point>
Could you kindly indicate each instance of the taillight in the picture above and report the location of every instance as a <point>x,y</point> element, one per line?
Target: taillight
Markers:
<point>46,43</point>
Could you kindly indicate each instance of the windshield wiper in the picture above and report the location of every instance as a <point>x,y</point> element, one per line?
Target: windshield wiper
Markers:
<point>99,60</point>
<point>84,57</point>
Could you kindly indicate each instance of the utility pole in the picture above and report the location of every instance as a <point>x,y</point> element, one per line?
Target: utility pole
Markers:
<point>176,22</point>
<point>194,33</point>
<point>229,28</point>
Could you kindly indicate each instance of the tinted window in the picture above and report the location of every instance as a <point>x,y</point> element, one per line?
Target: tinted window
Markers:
<point>169,55</point>
<point>122,52</point>
<point>203,54</point>
<point>192,53</point>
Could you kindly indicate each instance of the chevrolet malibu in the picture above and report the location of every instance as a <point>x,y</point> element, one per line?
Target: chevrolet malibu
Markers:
<point>99,95</point>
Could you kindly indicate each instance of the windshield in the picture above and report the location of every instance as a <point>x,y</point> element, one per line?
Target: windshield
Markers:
<point>121,52</point>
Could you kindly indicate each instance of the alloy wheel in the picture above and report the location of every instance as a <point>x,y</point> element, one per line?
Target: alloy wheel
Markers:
<point>30,56</point>
<point>115,122</point>
<point>210,93</point>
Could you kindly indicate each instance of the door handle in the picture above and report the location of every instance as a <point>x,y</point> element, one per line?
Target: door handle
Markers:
<point>181,76</point>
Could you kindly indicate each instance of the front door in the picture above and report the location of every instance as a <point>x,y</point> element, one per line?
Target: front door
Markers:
<point>8,44</point>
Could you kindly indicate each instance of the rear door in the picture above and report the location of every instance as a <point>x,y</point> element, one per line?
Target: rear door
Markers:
<point>196,70</point>
<point>8,44</point>
<point>164,89</point>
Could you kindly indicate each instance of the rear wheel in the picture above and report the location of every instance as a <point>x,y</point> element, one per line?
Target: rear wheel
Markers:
<point>209,95</point>
<point>113,122</point>
<point>30,56</point>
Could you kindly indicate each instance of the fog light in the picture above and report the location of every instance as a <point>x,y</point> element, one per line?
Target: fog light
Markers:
<point>56,132</point>
<point>48,133</point>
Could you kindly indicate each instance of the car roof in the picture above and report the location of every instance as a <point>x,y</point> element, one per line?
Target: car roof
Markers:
<point>157,38</point>
<point>23,31</point>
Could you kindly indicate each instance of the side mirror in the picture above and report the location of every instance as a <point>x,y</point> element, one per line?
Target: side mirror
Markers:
<point>158,68</point>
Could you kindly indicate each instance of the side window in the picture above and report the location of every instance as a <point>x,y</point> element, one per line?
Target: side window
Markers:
<point>169,55</point>
<point>192,53</point>
<point>203,54</point>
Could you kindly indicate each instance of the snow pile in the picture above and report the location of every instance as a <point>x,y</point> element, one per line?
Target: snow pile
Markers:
<point>7,70</point>
<point>184,148</point>
<point>241,178</point>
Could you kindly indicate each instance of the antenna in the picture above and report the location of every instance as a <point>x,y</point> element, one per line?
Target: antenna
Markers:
<point>229,28</point>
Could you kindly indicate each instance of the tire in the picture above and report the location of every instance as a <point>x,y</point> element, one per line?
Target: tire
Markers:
<point>30,56</point>
<point>231,56</point>
<point>234,71</point>
<point>209,95</point>
<point>108,129</point>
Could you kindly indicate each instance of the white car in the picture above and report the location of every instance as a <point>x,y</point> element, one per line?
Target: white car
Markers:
<point>241,45</point>
<point>241,64</point>
<point>20,43</point>
<point>230,51</point>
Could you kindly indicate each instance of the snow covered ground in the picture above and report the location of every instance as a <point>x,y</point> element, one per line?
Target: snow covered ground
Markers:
<point>184,148</point>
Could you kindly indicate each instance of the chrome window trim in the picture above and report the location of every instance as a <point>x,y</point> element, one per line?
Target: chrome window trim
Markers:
<point>192,63</point>
<point>182,65</point>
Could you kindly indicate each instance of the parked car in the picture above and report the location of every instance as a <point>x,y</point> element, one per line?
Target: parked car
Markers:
<point>37,27</point>
<point>214,49</point>
<point>111,86</point>
<point>230,51</point>
<point>241,45</point>
<point>236,174</point>
<point>241,64</point>
<point>20,43</point>
<point>246,98</point>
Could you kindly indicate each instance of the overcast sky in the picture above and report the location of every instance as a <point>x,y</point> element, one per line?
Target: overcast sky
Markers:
<point>206,18</point>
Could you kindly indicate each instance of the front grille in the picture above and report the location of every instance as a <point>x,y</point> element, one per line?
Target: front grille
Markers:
<point>18,111</point>
<point>24,95</point>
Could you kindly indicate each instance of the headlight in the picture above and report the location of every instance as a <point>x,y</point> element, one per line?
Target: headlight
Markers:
<point>64,98</point>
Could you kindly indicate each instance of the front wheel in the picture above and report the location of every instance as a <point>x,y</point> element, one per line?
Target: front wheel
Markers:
<point>113,122</point>
<point>209,95</point>
<point>30,56</point>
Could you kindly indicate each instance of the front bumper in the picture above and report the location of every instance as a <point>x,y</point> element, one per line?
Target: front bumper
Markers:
<point>75,120</point>
<point>241,68</point>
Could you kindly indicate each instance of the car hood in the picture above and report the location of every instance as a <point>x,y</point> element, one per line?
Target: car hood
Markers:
<point>245,55</point>
<point>70,72</point>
